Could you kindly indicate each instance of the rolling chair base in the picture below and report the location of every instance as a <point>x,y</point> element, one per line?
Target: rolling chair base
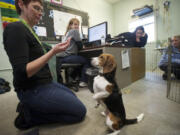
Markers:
<point>68,70</point>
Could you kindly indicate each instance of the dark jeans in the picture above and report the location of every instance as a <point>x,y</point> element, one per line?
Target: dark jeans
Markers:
<point>76,59</point>
<point>51,103</point>
<point>175,69</point>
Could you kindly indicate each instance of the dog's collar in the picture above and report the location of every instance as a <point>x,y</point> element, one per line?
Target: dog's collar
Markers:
<point>101,74</point>
<point>106,74</point>
<point>101,70</point>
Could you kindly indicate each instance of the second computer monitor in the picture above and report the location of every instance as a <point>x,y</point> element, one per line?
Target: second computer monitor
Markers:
<point>96,32</point>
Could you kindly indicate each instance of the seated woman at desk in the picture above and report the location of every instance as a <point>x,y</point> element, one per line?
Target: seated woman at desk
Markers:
<point>175,59</point>
<point>70,55</point>
<point>136,39</point>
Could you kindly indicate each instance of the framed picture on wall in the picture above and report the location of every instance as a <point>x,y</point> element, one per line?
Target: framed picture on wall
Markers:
<point>57,1</point>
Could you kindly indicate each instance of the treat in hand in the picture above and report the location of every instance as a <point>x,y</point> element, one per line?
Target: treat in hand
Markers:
<point>61,46</point>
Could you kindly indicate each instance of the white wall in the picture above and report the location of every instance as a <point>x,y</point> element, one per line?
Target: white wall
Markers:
<point>98,11</point>
<point>123,11</point>
<point>167,26</point>
<point>118,16</point>
<point>4,61</point>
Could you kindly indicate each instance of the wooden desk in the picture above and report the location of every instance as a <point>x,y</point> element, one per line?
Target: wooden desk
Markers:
<point>126,76</point>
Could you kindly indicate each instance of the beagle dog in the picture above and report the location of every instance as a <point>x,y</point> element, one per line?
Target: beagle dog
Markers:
<point>107,93</point>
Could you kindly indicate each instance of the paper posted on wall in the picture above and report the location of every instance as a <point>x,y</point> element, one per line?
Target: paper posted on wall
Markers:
<point>40,31</point>
<point>125,59</point>
<point>85,30</point>
<point>61,20</point>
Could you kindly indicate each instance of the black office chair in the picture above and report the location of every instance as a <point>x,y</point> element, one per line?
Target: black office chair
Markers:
<point>68,67</point>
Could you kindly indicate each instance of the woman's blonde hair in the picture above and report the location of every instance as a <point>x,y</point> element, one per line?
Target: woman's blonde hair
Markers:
<point>71,23</point>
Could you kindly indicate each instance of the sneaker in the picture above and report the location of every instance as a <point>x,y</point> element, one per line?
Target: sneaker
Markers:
<point>177,77</point>
<point>82,84</point>
<point>20,121</point>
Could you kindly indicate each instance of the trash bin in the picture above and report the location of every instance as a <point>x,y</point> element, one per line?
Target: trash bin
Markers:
<point>91,73</point>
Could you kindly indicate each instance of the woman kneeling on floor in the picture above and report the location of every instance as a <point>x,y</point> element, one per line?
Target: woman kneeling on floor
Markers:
<point>42,101</point>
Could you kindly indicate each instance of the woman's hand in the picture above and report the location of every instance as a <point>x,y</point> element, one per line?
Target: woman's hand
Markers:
<point>137,39</point>
<point>143,35</point>
<point>34,66</point>
<point>61,46</point>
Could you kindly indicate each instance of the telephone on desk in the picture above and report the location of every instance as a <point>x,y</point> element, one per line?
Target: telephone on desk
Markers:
<point>87,44</point>
<point>121,40</point>
<point>116,41</point>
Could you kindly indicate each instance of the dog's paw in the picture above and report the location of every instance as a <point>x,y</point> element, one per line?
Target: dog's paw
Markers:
<point>140,117</point>
<point>97,105</point>
<point>95,96</point>
<point>115,132</point>
<point>100,95</point>
<point>103,114</point>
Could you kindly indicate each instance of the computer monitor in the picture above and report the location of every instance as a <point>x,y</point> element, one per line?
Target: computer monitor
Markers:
<point>96,32</point>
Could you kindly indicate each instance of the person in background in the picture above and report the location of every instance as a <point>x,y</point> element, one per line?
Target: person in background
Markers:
<point>138,38</point>
<point>42,101</point>
<point>175,59</point>
<point>70,55</point>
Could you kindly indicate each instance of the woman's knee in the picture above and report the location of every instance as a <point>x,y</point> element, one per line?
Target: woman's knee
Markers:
<point>81,113</point>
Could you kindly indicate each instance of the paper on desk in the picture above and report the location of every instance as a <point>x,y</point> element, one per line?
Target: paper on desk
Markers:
<point>125,59</point>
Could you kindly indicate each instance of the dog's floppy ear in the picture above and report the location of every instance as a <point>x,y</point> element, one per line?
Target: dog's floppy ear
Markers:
<point>110,64</point>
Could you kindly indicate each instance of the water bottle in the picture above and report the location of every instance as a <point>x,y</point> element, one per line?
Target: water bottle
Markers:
<point>103,41</point>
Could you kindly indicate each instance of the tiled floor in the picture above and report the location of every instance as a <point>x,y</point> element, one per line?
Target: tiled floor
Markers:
<point>162,116</point>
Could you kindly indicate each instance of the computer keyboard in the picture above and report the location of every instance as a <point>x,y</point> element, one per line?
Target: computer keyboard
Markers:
<point>93,47</point>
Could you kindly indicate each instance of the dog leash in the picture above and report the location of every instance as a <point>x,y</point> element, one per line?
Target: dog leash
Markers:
<point>34,34</point>
<point>44,50</point>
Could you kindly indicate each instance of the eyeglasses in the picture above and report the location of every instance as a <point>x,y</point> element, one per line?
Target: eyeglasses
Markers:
<point>38,9</point>
<point>175,40</point>
<point>139,33</point>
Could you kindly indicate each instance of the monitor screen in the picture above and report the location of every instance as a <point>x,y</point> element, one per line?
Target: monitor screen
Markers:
<point>96,32</point>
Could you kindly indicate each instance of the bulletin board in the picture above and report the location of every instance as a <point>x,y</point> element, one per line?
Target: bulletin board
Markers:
<point>8,12</point>
<point>55,20</point>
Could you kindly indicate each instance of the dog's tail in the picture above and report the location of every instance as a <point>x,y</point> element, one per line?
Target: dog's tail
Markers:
<point>136,120</point>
